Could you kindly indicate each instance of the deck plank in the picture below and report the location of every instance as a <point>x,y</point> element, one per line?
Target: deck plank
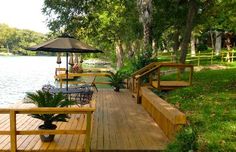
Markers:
<point>75,138</point>
<point>125,124</point>
<point>5,143</point>
<point>119,124</point>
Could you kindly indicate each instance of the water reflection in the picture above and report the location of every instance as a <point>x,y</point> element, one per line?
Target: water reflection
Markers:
<point>19,75</point>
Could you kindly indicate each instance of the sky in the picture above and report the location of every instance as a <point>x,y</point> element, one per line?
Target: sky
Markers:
<point>23,14</point>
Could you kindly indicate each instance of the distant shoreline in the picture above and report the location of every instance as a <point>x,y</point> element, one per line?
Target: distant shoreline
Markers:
<point>6,54</point>
<point>11,54</point>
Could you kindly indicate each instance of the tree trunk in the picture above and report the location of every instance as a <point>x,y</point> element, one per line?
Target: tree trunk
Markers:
<point>129,50</point>
<point>218,42</point>
<point>154,48</point>
<point>134,48</point>
<point>8,49</point>
<point>212,40</point>
<point>228,44</point>
<point>147,36</point>
<point>176,44</point>
<point>193,46</point>
<point>192,10</point>
<point>119,54</point>
<point>145,14</point>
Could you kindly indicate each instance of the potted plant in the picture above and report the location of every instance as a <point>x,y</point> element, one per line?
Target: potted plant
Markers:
<point>45,99</point>
<point>117,81</point>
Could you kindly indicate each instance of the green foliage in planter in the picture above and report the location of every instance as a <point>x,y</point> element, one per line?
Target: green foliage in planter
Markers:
<point>117,80</point>
<point>46,99</point>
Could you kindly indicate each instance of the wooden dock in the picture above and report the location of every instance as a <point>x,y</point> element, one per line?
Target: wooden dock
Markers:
<point>119,125</point>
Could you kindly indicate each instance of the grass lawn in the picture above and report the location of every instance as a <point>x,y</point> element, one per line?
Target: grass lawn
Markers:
<point>210,106</point>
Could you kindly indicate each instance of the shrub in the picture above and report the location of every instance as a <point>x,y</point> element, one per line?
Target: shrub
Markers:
<point>202,47</point>
<point>186,141</point>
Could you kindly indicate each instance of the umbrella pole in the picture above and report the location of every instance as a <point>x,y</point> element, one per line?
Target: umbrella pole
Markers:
<point>66,71</point>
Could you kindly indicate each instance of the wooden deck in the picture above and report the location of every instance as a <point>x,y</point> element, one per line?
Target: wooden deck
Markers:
<point>122,124</point>
<point>119,124</point>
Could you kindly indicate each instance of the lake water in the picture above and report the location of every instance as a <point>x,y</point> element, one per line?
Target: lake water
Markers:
<point>19,74</point>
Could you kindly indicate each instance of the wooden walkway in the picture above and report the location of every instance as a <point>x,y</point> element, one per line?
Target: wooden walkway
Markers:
<point>122,124</point>
<point>119,124</point>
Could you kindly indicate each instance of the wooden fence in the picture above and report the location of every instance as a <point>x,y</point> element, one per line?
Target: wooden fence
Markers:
<point>228,56</point>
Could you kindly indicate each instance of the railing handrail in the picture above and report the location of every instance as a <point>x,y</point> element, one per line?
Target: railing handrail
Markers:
<point>48,110</point>
<point>86,74</point>
<point>163,64</point>
<point>144,68</point>
<point>102,74</point>
<point>147,72</point>
<point>157,67</point>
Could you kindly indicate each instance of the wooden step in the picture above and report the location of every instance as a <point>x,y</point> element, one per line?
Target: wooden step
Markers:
<point>170,85</point>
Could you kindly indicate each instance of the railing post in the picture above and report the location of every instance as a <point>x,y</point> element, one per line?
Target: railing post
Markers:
<point>88,132</point>
<point>13,130</point>
<point>150,78</point>
<point>178,73</point>
<point>138,91</point>
<point>159,78</point>
<point>198,62</point>
<point>212,55</point>
<point>222,56</point>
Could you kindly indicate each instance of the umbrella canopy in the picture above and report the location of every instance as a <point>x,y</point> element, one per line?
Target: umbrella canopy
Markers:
<point>65,44</point>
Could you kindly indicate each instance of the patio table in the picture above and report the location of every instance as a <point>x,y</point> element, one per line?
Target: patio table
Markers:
<point>82,94</point>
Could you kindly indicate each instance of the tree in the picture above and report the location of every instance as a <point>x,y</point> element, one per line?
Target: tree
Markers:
<point>192,11</point>
<point>145,14</point>
<point>168,23</point>
<point>16,40</point>
<point>95,23</point>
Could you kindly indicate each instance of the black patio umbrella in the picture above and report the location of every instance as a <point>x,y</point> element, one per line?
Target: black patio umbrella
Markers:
<point>67,45</point>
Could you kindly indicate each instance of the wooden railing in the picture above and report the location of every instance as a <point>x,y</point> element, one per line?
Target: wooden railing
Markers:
<point>147,67</point>
<point>200,57</point>
<point>139,72</point>
<point>60,71</point>
<point>99,70</point>
<point>228,56</point>
<point>102,74</point>
<point>72,110</point>
<point>137,79</point>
